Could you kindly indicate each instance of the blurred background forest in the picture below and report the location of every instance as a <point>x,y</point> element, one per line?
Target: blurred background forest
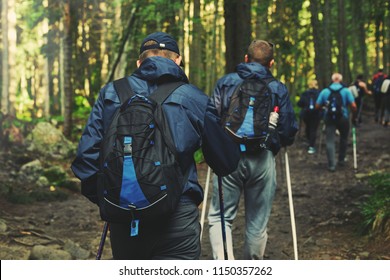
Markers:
<point>56,54</point>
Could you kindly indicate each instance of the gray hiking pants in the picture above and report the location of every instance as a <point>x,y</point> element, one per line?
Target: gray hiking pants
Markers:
<point>255,176</point>
<point>343,127</point>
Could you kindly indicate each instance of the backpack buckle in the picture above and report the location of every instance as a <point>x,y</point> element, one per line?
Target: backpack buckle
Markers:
<point>127,145</point>
<point>128,149</point>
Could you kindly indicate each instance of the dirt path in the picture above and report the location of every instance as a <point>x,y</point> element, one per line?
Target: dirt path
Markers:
<point>326,209</point>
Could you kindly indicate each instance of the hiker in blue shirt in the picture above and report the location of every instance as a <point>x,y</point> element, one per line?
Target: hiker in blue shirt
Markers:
<point>341,124</point>
<point>255,176</point>
<point>193,123</point>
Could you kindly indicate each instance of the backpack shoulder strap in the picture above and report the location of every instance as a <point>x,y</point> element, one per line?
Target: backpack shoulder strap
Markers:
<point>123,89</point>
<point>164,91</point>
<point>274,96</point>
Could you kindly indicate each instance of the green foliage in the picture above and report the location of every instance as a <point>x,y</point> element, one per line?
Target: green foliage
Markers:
<point>82,108</point>
<point>377,205</point>
<point>198,156</point>
<point>54,174</point>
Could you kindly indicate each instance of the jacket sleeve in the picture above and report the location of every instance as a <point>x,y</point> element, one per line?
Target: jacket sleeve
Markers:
<point>219,150</point>
<point>86,164</point>
<point>287,124</point>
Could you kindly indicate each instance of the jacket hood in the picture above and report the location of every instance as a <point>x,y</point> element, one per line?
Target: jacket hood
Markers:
<point>160,69</point>
<point>336,86</point>
<point>252,70</point>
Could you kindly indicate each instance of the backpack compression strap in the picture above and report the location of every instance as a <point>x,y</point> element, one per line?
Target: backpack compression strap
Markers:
<point>123,89</point>
<point>163,91</point>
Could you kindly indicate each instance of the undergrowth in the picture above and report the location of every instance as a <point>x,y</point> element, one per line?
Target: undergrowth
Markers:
<point>377,206</point>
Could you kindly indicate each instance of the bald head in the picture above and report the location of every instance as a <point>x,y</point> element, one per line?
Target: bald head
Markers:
<point>337,78</point>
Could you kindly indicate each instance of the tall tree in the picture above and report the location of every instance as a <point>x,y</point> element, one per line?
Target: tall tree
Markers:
<point>196,57</point>
<point>237,31</point>
<point>321,45</point>
<point>358,38</point>
<point>261,20</point>
<point>4,56</point>
<point>9,79</point>
<point>67,61</point>
<point>342,60</point>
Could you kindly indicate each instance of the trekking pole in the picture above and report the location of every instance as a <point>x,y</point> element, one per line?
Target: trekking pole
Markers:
<point>321,136</point>
<point>222,214</point>
<point>204,209</point>
<point>359,113</point>
<point>102,240</point>
<point>354,147</point>
<point>290,200</point>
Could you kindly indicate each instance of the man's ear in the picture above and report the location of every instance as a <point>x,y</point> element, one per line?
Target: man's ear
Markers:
<point>246,58</point>
<point>138,63</point>
<point>271,63</point>
<point>178,60</point>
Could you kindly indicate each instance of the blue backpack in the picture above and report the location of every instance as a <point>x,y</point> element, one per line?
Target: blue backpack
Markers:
<point>140,179</point>
<point>247,118</point>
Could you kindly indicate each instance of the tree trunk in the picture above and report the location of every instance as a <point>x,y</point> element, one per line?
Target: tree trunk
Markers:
<point>46,74</point>
<point>342,60</point>
<point>5,66</point>
<point>196,69</point>
<point>318,47</point>
<point>213,59</point>
<point>9,79</point>
<point>67,61</point>
<point>237,31</point>
<point>262,25</point>
<point>125,37</point>
<point>327,43</point>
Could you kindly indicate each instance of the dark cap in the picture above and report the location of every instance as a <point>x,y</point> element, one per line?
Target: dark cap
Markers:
<point>163,41</point>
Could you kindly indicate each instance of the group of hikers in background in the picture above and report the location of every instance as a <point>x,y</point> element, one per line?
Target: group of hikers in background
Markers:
<point>315,109</point>
<point>135,158</point>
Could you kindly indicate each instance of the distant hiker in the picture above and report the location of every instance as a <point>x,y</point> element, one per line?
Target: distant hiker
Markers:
<point>310,115</point>
<point>191,124</point>
<point>377,80</point>
<point>336,98</point>
<point>244,100</point>
<point>362,90</point>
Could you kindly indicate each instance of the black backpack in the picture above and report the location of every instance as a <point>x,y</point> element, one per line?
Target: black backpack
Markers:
<point>140,179</point>
<point>335,105</point>
<point>311,102</point>
<point>247,117</point>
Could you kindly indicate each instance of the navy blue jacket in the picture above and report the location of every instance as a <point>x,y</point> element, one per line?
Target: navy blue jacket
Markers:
<point>287,124</point>
<point>191,117</point>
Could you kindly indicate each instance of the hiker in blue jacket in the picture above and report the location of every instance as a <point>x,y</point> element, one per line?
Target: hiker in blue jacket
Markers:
<point>310,116</point>
<point>193,124</point>
<point>255,175</point>
<point>342,124</point>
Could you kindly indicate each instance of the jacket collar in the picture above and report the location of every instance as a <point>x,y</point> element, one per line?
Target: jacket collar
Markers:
<point>160,69</point>
<point>252,70</point>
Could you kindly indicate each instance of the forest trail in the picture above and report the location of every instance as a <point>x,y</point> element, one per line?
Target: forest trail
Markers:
<point>326,204</point>
<point>326,207</point>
